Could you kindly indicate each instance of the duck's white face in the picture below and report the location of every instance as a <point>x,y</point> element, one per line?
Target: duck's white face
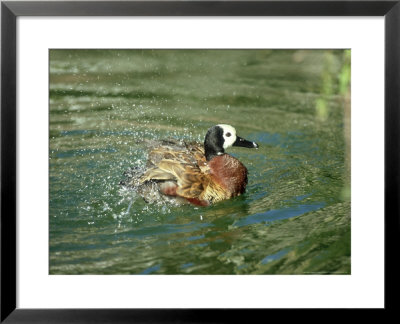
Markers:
<point>229,135</point>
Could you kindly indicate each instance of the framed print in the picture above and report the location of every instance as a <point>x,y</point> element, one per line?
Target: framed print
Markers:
<point>151,155</point>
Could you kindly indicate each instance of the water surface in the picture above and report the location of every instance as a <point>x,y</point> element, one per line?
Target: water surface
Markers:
<point>295,215</point>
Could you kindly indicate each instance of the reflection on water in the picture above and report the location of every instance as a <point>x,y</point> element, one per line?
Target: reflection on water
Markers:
<point>295,215</point>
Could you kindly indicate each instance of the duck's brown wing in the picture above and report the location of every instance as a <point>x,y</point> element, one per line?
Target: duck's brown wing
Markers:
<point>190,180</point>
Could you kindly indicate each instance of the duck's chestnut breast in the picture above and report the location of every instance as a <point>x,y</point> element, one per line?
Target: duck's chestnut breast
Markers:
<point>229,173</point>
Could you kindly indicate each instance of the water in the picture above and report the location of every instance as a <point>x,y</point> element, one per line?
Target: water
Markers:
<point>295,215</point>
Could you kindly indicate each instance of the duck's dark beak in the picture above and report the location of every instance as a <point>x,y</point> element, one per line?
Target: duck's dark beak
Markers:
<point>244,143</point>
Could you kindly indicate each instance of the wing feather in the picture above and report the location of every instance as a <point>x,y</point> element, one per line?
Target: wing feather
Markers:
<point>190,179</point>
<point>183,163</point>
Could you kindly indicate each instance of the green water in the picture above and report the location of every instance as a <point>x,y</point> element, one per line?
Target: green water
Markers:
<point>295,215</point>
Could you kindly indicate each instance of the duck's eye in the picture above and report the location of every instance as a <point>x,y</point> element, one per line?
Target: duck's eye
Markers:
<point>228,134</point>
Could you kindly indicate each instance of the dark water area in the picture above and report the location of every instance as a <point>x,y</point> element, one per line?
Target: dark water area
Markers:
<point>295,215</point>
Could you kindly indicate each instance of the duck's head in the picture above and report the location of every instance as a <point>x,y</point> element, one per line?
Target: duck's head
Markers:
<point>220,137</point>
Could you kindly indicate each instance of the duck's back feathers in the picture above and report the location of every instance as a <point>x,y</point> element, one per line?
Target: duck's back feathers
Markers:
<point>191,153</point>
<point>174,168</point>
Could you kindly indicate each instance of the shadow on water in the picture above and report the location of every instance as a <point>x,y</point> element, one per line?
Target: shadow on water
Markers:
<point>295,215</point>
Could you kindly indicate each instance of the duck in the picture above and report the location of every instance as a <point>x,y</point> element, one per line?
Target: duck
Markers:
<point>189,172</point>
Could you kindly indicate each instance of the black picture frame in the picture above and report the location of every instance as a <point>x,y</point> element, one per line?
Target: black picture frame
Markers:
<point>10,10</point>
